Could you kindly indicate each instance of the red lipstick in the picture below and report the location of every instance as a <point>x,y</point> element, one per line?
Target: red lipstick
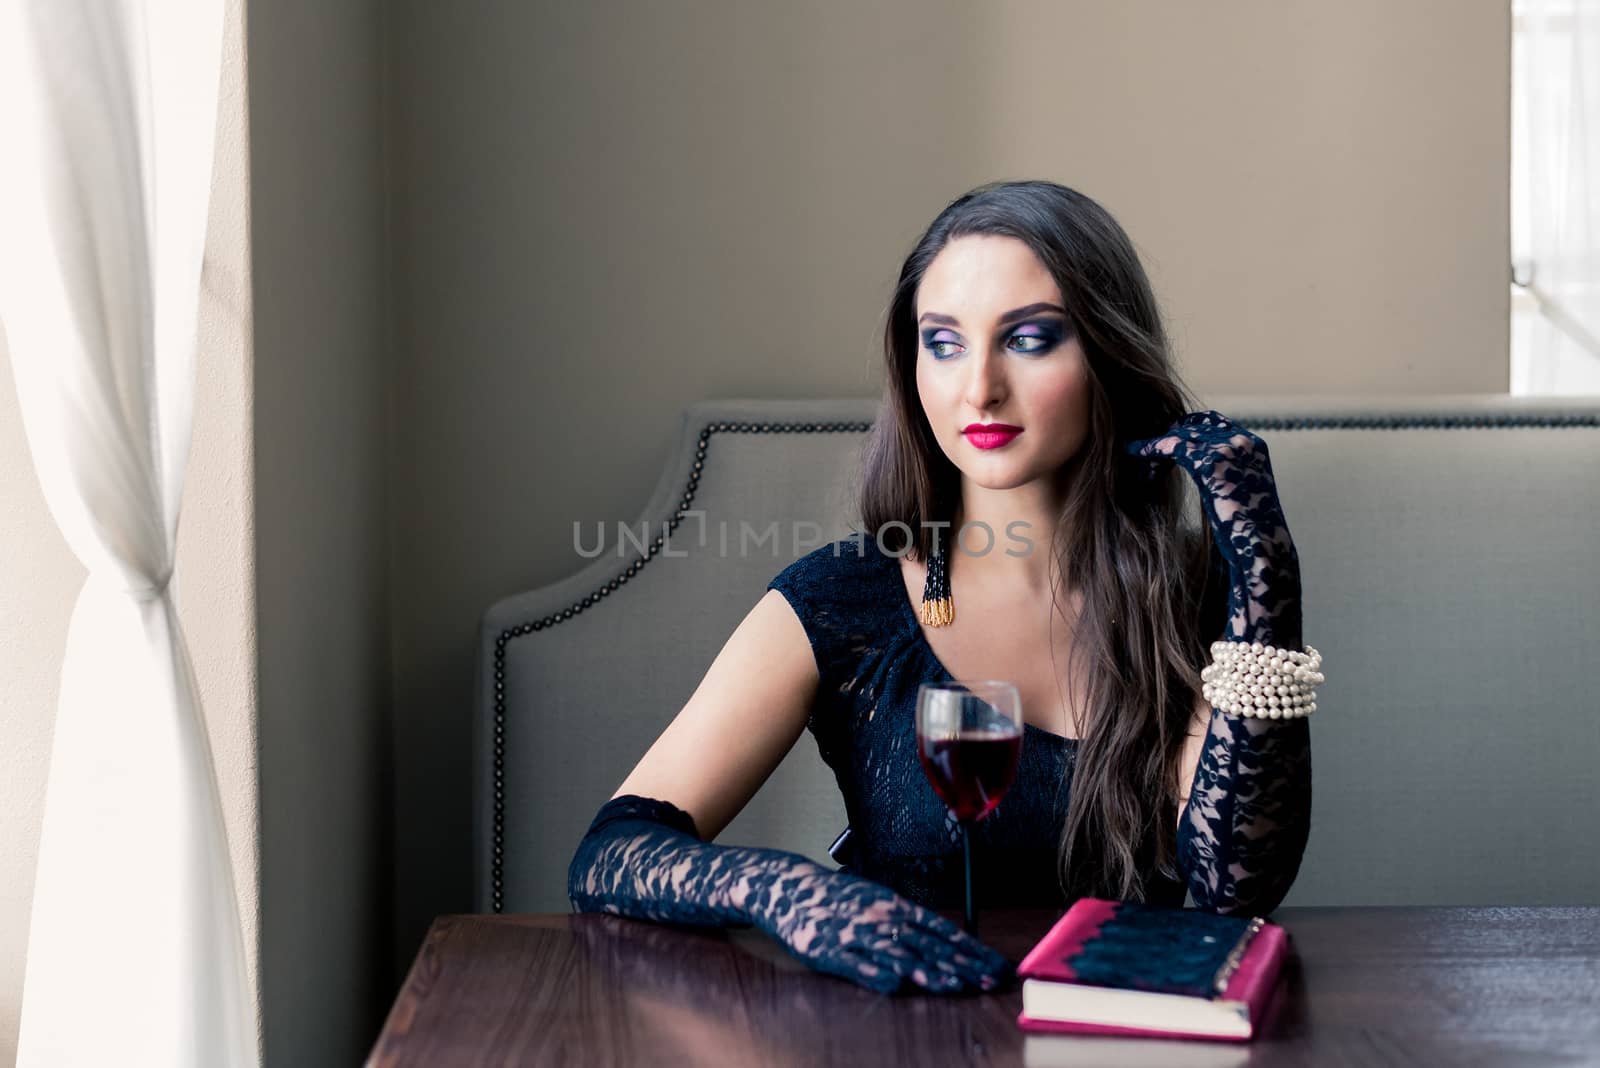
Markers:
<point>990,435</point>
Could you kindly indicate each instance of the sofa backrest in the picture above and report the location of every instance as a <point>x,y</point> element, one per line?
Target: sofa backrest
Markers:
<point>1450,581</point>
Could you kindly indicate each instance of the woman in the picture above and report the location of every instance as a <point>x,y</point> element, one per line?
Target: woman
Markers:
<point>1030,392</point>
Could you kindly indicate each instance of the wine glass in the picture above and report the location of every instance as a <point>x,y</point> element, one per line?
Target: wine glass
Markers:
<point>969,739</point>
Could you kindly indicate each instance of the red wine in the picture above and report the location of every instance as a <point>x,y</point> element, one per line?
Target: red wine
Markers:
<point>971,771</point>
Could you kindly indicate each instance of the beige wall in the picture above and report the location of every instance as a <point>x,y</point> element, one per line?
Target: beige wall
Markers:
<point>214,579</point>
<point>320,388</point>
<point>605,211</point>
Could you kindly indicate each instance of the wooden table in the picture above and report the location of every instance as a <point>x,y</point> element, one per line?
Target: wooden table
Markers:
<point>1415,986</point>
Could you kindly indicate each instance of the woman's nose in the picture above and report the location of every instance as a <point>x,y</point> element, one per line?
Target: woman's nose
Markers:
<point>987,386</point>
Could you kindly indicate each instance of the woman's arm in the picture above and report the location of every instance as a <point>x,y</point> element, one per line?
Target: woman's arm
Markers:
<point>740,722</point>
<point>706,765</point>
<point>737,726</point>
<point>1244,829</point>
<point>644,857</point>
<point>1243,832</point>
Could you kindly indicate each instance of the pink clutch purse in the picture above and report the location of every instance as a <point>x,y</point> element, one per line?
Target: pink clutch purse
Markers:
<point>1125,968</point>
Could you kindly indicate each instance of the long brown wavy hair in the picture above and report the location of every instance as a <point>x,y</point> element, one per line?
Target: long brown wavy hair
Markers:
<point>1133,548</point>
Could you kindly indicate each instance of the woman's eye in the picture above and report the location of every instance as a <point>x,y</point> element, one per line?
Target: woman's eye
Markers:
<point>1036,342</point>
<point>938,343</point>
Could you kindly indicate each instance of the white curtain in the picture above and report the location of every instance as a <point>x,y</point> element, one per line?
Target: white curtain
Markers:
<point>1555,197</point>
<point>107,118</point>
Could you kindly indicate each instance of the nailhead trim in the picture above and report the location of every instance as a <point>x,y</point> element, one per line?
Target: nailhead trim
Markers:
<point>1380,422</point>
<point>497,868</point>
<point>1425,422</point>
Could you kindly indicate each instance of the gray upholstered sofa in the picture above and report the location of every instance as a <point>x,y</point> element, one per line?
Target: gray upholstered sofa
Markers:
<point>1448,548</point>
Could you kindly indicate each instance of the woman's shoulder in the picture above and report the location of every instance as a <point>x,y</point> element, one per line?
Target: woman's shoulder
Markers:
<point>851,599</point>
<point>851,578</point>
<point>838,567</point>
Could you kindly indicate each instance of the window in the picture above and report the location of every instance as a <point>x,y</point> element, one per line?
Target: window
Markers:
<point>1555,197</point>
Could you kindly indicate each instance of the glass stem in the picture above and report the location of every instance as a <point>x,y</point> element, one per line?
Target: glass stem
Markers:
<point>966,864</point>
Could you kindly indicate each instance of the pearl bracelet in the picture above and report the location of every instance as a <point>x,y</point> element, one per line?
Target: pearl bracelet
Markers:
<point>1251,679</point>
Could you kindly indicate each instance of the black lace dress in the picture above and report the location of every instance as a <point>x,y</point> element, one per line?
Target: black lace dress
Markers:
<point>871,655</point>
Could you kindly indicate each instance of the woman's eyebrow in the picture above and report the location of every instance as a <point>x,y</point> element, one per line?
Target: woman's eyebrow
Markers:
<point>1009,317</point>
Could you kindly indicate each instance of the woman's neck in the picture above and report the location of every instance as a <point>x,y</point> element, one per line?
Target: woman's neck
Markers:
<point>1023,522</point>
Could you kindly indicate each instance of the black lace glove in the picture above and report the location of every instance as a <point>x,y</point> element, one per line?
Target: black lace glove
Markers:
<point>1249,811</point>
<point>643,858</point>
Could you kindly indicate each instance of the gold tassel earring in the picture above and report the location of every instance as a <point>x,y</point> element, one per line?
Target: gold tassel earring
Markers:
<point>938,607</point>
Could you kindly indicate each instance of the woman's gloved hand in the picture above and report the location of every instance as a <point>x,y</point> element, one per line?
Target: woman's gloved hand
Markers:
<point>852,927</point>
<point>642,857</point>
<point>1233,472</point>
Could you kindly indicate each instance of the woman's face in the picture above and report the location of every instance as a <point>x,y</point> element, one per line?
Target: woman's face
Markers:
<point>996,347</point>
